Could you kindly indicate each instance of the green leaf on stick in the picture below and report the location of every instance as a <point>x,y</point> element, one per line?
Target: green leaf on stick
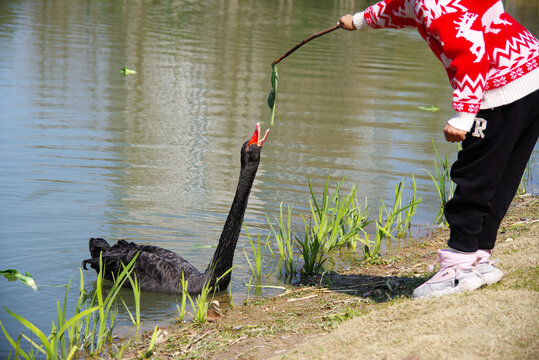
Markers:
<point>273,93</point>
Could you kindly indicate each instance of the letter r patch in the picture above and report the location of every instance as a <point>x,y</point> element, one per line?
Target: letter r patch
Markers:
<point>480,125</point>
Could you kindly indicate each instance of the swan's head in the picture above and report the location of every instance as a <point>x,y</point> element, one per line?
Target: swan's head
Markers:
<point>250,151</point>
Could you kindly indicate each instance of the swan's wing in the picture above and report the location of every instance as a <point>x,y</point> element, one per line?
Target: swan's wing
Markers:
<point>158,269</point>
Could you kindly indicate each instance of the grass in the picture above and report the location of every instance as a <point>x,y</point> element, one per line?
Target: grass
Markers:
<point>147,354</point>
<point>285,239</point>
<point>501,319</point>
<point>336,221</point>
<point>135,285</point>
<point>312,249</point>
<point>200,304</point>
<point>442,180</point>
<point>391,221</point>
<point>182,310</point>
<point>258,250</point>
<point>88,331</point>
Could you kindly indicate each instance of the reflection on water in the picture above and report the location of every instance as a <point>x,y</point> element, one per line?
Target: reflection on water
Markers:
<point>153,157</point>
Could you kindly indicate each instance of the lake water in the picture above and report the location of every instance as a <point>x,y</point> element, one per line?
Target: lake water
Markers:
<point>154,157</point>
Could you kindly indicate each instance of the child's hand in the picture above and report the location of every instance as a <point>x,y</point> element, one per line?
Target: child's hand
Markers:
<point>347,22</point>
<point>453,134</point>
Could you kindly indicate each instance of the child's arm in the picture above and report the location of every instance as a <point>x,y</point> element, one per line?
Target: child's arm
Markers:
<point>385,14</point>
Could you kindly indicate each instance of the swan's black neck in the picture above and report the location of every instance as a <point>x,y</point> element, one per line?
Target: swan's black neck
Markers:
<point>224,254</point>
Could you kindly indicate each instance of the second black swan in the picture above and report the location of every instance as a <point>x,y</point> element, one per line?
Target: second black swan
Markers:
<point>160,270</point>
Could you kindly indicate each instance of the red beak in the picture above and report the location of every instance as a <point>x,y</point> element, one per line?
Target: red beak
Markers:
<point>255,139</point>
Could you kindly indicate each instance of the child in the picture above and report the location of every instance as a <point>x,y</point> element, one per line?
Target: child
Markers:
<point>493,66</point>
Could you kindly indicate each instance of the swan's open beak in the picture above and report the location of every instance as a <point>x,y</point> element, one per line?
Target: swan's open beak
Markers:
<point>255,139</point>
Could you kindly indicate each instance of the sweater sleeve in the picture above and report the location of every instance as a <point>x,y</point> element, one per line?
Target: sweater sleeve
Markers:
<point>387,14</point>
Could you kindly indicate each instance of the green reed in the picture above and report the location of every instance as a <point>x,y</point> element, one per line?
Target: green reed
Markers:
<point>201,303</point>
<point>442,180</point>
<point>87,331</point>
<point>258,250</point>
<point>153,339</point>
<point>391,220</point>
<point>312,249</point>
<point>182,311</point>
<point>285,239</point>
<point>404,217</point>
<point>135,285</point>
<point>336,221</point>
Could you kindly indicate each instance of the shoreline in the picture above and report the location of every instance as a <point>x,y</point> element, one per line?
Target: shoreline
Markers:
<point>367,309</point>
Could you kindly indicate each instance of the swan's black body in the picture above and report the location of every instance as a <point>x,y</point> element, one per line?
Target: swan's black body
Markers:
<point>160,270</point>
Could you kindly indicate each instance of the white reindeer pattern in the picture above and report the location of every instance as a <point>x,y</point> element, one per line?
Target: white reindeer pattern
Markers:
<point>493,16</point>
<point>474,36</point>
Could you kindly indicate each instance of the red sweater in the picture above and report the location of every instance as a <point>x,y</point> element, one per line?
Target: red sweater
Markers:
<point>491,59</point>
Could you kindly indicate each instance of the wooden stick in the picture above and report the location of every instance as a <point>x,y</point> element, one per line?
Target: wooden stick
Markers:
<point>313,36</point>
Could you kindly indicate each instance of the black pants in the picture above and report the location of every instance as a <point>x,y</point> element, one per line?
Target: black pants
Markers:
<point>488,171</point>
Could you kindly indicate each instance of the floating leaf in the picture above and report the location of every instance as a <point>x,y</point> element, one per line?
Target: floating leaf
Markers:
<point>431,108</point>
<point>125,71</point>
<point>14,275</point>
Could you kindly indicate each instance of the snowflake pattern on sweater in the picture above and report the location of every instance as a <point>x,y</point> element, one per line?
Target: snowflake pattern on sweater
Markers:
<point>481,46</point>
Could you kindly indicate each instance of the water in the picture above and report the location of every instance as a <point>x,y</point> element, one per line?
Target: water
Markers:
<point>153,157</point>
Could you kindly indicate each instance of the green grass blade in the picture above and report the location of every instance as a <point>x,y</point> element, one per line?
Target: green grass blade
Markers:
<point>15,345</point>
<point>34,329</point>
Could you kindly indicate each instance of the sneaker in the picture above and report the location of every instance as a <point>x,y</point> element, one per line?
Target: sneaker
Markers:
<point>457,273</point>
<point>489,273</point>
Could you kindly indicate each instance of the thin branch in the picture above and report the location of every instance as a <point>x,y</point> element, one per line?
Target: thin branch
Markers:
<point>313,36</point>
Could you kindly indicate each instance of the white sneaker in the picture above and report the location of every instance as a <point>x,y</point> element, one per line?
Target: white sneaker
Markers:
<point>457,273</point>
<point>489,273</point>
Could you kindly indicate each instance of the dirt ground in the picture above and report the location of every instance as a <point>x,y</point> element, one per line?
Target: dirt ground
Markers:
<point>366,312</point>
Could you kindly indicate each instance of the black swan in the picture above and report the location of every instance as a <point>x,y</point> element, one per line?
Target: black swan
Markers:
<point>160,270</point>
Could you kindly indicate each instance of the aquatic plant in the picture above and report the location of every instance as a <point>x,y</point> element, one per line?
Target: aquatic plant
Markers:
<point>182,311</point>
<point>391,221</point>
<point>336,220</point>
<point>258,252</point>
<point>312,250</point>
<point>200,304</point>
<point>153,339</point>
<point>285,239</point>
<point>404,223</point>
<point>88,330</point>
<point>444,186</point>
<point>135,285</point>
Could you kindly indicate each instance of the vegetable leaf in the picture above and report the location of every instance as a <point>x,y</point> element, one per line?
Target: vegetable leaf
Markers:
<point>14,275</point>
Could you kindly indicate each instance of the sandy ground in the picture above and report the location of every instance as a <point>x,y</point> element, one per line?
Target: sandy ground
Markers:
<point>500,322</point>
